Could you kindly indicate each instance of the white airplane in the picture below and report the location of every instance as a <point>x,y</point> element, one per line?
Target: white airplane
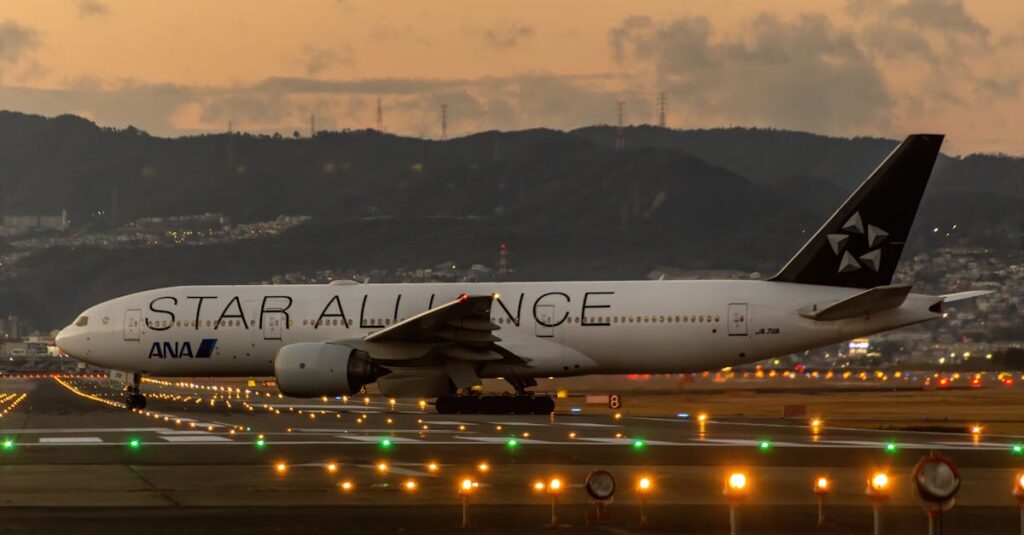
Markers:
<point>440,340</point>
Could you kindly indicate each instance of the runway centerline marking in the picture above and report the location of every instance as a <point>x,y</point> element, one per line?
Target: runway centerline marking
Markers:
<point>70,440</point>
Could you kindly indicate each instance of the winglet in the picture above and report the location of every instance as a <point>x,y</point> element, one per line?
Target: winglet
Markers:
<point>961,296</point>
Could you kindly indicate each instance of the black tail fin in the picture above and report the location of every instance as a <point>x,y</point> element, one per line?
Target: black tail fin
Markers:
<point>859,246</point>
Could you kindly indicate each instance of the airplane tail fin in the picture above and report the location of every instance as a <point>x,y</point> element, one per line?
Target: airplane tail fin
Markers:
<point>860,245</point>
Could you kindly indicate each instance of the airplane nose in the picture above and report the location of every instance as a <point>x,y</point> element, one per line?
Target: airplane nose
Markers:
<point>71,343</point>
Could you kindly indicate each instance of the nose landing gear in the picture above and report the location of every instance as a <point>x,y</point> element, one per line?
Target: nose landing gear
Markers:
<point>133,398</point>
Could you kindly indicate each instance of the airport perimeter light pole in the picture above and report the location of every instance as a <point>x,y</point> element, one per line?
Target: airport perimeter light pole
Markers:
<point>1018,492</point>
<point>735,492</point>
<point>821,488</point>
<point>466,488</point>
<point>878,491</point>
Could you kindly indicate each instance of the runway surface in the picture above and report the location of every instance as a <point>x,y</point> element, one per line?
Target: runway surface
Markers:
<point>197,453</point>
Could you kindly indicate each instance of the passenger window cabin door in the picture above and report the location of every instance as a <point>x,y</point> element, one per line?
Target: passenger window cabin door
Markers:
<point>273,322</point>
<point>545,314</point>
<point>737,319</point>
<point>132,321</point>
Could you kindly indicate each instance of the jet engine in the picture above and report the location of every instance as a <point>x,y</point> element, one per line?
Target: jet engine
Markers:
<point>313,369</point>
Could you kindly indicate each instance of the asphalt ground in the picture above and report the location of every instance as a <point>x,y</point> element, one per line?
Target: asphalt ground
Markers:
<point>197,460</point>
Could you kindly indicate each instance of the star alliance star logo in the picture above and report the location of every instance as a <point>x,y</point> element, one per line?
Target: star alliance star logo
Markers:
<point>848,262</point>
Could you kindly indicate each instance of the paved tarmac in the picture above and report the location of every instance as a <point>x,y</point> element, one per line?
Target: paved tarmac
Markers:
<point>194,458</point>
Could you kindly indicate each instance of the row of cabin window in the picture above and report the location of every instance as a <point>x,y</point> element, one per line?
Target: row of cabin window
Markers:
<point>210,323</point>
<point>703,318</point>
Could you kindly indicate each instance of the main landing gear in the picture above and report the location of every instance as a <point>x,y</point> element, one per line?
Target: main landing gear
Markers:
<point>523,402</point>
<point>526,404</point>
<point>133,398</point>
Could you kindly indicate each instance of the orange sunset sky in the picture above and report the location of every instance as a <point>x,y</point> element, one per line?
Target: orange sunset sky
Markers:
<point>838,67</point>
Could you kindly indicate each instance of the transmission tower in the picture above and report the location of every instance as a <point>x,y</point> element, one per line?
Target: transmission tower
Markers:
<point>661,109</point>
<point>444,122</point>
<point>380,116</point>
<point>620,133</point>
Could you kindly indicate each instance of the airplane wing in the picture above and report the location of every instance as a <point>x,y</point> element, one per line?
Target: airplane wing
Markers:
<point>461,330</point>
<point>466,320</point>
<point>448,341</point>
<point>870,301</point>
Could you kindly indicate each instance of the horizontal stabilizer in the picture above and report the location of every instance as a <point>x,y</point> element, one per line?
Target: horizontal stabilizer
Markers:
<point>876,299</point>
<point>960,296</point>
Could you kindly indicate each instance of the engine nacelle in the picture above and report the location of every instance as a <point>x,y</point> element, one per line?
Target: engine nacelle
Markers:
<point>313,369</point>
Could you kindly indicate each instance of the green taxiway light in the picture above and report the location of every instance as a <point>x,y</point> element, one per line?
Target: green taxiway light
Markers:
<point>512,443</point>
<point>765,445</point>
<point>134,443</point>
<point>260,443</point>
<point>638,444</point>
<point>1018,449</point>
<point>890,447</point>
<point>8,444</point>
<point>386,443</point>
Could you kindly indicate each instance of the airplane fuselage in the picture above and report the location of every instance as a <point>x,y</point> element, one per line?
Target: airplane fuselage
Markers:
<point>558,328</point>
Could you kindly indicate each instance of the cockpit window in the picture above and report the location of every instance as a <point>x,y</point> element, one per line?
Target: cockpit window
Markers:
<point>82,321</point>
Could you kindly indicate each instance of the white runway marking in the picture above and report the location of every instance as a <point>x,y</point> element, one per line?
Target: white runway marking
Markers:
<point>195,438</point>
<point>395,440</point>
<point>81,430</point>
<point>627,441</point>
<point>522,424</point>
<point>504,440</point>
<point>396,470</point>
<point>70,440</point>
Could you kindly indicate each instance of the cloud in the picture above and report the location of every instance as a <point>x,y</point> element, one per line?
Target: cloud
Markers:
<point>802,73</point>
<point>508,34</point>
<point>947,16</point>
<point>319,60</point>
<point>92,8</point>
<point>17,43</point>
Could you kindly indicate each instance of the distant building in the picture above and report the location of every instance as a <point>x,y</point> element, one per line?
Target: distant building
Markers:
<point>16,224</point>
<point>11,327</point>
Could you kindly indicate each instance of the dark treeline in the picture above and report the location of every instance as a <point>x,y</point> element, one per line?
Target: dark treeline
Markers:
<point>567,203</point>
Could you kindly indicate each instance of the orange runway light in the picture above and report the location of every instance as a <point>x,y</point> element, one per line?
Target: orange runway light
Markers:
<point>467,486</point>
<point>737,481</point>
<point>281,468</point>
<point>879,486</point>
<point>346,486</point>
<point>410,485</point>
<point>382,467</point>
<point>822,485</point>
<point>539,486</point>
<point>331,468</point>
